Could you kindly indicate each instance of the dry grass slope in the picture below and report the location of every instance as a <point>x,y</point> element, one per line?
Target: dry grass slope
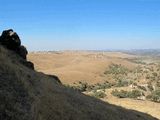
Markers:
<point>72,67</point>
<point>29,95</point>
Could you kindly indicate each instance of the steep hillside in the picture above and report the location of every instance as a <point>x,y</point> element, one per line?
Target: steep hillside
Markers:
<point>29,95</point>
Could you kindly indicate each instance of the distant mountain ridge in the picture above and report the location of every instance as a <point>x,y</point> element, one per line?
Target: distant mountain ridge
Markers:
<point>145,52</point>
<point>142,52</point>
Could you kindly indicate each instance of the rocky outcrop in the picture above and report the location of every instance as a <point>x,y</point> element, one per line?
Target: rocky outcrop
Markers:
<point>11,41</point>
<point>55,78</point>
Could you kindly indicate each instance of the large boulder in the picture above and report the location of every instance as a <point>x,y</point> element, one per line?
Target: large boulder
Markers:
<point>10,39</point>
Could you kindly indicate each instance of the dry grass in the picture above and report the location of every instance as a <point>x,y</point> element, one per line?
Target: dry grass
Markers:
<point>78,66</point>
<point>29,95</point>
<point>148,107</point>
<point>89,67</point>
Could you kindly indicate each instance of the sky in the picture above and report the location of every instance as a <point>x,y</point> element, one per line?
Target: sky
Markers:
<point>83,24</point>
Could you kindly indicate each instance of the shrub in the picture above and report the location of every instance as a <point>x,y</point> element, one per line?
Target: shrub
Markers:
<point>155,74</point>
<point>116,69</point>
<point>154,96</point>
<point>122,83</point>
<point>147,76</point>
<point>134,94</point>
<point>158,83</point>
<point>82,86</point>
<point>142,88</point>
<point>99,94</point>
<point>127,94</point>
<point>105,85</point>
<point>119,94</point>
<point>150,87</point>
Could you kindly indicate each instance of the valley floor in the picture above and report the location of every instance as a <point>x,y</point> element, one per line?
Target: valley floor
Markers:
<point>89,67</point>
<point>144,106</point>
<point>148,107</point>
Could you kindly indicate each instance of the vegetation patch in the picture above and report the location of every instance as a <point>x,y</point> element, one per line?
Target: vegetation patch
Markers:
<point>154,96</point>
<point>116,69</point>
<point>83,86</point>
<point>98,94</point>
<point>127,94</point>
<point>142,88</point>
<point>122,83</point>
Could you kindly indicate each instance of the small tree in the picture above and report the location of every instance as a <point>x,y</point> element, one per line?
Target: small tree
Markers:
<point>154,96</point>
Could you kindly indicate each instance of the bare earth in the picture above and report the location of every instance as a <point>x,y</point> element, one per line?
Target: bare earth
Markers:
<point>148,107</point>
<point>74,66</point>
<point>78,66</point>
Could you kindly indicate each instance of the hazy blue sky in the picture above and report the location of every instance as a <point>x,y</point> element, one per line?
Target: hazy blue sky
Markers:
<point>83,24</point>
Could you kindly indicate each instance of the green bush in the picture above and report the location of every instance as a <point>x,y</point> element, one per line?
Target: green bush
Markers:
<point>127,94</point>
<point>154,96</point>
<point>99,94</point>
<point>72,87</point>
<point>150,87</point>
<point>158,84</point>
<point>147,76</point>
<point>155,74</point>
<point>116,69</point>
<point>83,86</point>
<point>122,83</point>
<point>105,85</point>
<point>142,88</point>
<point>134,94</point>
<point>119,94</point>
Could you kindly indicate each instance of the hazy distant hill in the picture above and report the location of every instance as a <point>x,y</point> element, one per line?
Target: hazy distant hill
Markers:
<point>145,52</point>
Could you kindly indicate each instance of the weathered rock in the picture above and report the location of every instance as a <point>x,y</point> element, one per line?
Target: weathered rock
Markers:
<point>55,77</point>
<point>10,39</point>
<point>27,64</point>
<point>22,51</point>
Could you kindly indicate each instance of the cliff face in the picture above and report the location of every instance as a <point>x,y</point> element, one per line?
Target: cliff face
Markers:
<point>29,95</point>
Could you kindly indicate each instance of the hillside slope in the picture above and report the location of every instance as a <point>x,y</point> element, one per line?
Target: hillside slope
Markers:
<point>29,95</point>
<point>75,66</point>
